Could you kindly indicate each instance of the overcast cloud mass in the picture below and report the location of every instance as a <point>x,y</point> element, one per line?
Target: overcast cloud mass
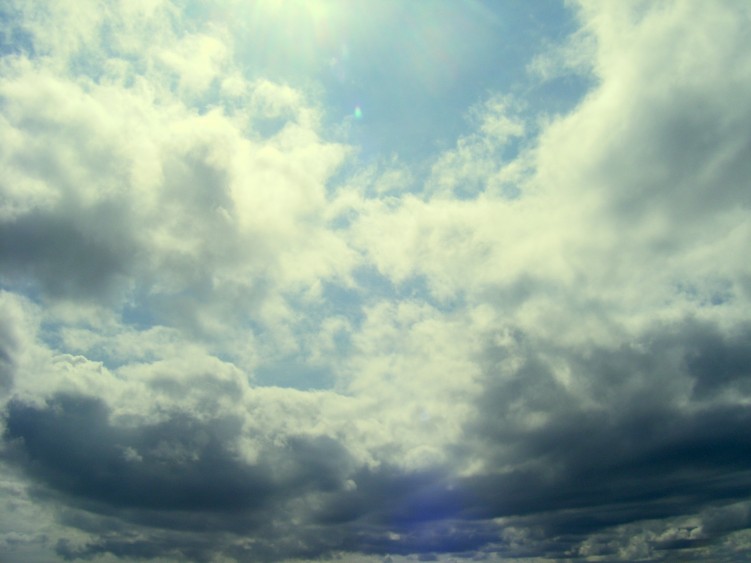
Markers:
<point>375,281</point>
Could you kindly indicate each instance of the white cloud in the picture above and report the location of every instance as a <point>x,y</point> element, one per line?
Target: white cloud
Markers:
<point>478,160</point>
<point>196,60</point>
<point>146,195</point>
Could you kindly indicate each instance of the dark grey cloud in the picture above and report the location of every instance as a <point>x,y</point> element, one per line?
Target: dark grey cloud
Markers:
<point>719,363</point>
<point>8,344</point>
<point>178,465</point>
<point>640,435</point>
<point>180,486</point>
<point>180,475</point>
<point>652,440</point>
<point>64,257</point>
<point>665,156</point>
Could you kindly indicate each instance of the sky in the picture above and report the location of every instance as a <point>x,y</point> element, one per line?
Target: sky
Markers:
<point>375,281</point>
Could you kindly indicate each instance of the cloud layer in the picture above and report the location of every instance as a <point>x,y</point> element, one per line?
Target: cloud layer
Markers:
<point>230,331</point>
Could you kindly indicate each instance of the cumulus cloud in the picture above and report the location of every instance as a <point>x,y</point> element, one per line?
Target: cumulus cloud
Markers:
<point>226,334</point>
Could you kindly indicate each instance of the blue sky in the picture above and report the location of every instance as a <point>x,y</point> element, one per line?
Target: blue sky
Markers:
<point>374,281</point>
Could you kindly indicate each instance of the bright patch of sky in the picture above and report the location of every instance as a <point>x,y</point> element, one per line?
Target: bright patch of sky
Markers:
<point>398,78</point>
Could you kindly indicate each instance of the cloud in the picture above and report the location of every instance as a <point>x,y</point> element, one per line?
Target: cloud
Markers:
<point>227,332</point>
<point>109,197</point>
<point>180,473</point>
<point>620,411</point>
